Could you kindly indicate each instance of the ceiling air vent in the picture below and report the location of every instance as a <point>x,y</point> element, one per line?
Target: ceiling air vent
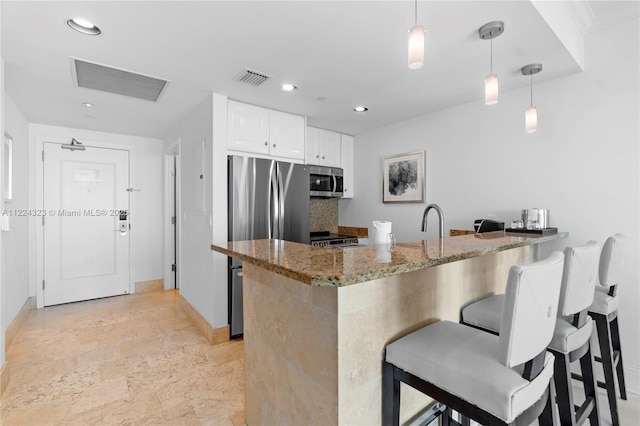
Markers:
<point>107,79</point>
<point>252,77</point>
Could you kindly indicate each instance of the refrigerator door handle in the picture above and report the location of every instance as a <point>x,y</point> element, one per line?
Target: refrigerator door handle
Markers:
<point>274,206</point>
<point>269,203</point>
<point>281,197</point>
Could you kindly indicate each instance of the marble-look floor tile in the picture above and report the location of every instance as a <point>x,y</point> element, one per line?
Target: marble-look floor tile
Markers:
<point>129,360</point>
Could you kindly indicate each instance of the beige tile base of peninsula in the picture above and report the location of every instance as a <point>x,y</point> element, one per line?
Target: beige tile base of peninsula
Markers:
<point>313,355</point>
<point>290,339</point>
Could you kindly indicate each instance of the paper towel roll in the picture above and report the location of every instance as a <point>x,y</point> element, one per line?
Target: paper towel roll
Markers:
<point>381,230</point>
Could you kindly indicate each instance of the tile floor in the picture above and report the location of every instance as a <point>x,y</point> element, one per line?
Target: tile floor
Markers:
<point>135,360</point>
<point>126,360</point>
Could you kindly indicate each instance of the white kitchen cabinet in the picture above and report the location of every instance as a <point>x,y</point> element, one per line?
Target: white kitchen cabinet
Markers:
<point>248,128</point>
<point>347,165</point>
<point>323,147</point>
<point>286,135</point>
<point>262,131</point>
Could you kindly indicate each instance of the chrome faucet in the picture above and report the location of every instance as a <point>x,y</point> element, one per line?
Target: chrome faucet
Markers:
<point>440,218</point>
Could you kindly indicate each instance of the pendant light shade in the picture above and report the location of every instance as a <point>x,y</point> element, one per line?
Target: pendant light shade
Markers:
<point>489,32</point>
<point>491,89</point>
<point>531,113</point>
<point>530,119</point>
<point>416,47</point>
<point>416,43</point>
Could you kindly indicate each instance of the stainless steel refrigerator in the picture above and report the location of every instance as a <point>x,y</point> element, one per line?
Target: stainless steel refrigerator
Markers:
<point>266,199</point>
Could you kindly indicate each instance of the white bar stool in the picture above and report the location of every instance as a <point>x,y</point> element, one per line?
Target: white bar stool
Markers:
<point>604,312</point>
<point>494,380</point>
<point>572,334</point>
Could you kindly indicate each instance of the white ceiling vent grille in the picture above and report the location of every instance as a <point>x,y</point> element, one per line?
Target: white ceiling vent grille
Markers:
<point>106,79</point>
<point>252,77</point>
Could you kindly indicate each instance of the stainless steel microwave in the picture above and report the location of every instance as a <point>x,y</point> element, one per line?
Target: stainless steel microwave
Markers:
<point>325,182</point>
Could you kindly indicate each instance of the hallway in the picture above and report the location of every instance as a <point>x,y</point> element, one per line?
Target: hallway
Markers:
<point>129,360</point>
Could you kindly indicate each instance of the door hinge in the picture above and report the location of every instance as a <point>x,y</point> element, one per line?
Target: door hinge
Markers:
<point>173,220</point>
<point>42,155</point>
<point>174,268</point>
<point>43,284</point>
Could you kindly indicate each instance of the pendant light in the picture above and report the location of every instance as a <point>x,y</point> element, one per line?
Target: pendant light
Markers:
<point>416,43</point>
<point>489,32</point>
<point>531,113</point>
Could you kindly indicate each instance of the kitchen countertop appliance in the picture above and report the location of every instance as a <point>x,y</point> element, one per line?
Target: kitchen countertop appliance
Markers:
<point>266,199</point>
<point>326,182</point>
<point>327,239</point>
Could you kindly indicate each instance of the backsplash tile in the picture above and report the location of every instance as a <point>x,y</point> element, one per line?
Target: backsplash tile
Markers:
<point>323,214</point>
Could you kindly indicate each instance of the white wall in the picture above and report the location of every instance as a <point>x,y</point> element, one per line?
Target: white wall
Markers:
<point>15,243</point>
<point>146,205</point>
<point>582,163</point>
<point>203,275</point>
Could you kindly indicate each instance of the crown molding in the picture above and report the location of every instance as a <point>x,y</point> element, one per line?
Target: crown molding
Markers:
<point>616,16</point>
<point>581,13</point>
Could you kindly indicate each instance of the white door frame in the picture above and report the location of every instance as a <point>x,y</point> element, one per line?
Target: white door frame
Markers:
<point>171,152</point>
<point>40,140</point>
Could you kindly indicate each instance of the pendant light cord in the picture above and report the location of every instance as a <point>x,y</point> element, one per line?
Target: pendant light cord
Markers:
<point>416,14</point>
<point>531,85</point>
<point>491,55</point>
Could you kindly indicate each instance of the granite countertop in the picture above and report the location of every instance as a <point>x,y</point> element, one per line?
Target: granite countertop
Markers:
<point>339,267</point>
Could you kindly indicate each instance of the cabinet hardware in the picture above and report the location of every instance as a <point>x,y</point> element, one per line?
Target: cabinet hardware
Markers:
<point>266,144</point>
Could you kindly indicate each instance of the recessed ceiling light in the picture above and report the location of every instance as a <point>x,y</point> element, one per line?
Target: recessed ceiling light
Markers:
<point>87,104</point>
<point>321,99</point>
<point>288,87</point>
<point>84,26</point>
<point>90,117</point>
<point>361,109</point>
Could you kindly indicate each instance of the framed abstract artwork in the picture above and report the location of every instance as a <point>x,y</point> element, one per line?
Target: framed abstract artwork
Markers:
<point>404,178</point>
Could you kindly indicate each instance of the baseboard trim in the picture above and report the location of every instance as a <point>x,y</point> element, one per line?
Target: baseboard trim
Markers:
<point>214,336</point>
<point>151,285</point>
<point>4,378</point>
<point>12,330</point>
<point>632,380</point>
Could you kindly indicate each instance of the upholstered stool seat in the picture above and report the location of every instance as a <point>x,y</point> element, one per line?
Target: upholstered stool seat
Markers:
<point>567,337</point>
<point>493,380</point>
<point>485,313</point>
<point>464,362</point>
<point>603,303</point>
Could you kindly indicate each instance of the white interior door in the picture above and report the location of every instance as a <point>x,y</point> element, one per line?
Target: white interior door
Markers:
<point>86,227</point>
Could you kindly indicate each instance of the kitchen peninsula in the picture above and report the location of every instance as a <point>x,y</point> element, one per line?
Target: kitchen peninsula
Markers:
<point>316,320</point>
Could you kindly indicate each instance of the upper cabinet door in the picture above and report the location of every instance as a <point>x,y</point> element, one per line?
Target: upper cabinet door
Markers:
<point>330,148</point>
<point>286,133</point>
<point>248,128</point>
<point>323,147</point>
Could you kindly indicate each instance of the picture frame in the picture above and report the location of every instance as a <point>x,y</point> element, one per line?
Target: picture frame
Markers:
<point>7,183</point>
<point>404,178</point>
